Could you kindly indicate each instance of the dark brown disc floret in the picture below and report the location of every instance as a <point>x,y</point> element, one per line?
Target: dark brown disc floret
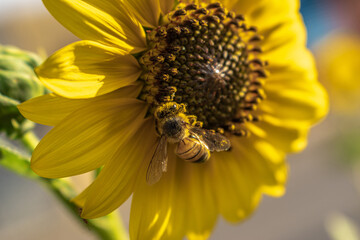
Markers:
<point>207,58</point>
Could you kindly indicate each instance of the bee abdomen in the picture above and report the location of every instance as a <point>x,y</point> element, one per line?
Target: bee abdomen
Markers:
<point>192,150</point>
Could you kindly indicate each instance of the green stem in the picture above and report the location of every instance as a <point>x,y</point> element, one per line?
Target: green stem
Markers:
<point>109,227</point>
<point>30,140</point>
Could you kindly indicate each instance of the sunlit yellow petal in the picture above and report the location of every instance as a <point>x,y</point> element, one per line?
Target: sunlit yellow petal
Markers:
<point>267,14</point>
<point>84,140</point>
<point>293,80</point>
<point>242,6</point>
<point>152,205</point>
<point>51,109</point>
<point>237,193</point>
<point>116,180</point>
<point>189,201</point>
<point>108,22</point>
<point>146,11</point>
<point>242,176</point>
<point>86,69</point>
<point>271,166</point>
<point>283,40</point>
<point>296,66</point>
<point>285,138</point>
<point>305,103</point>
<point>199,200</point>
<point>278,22</point>
<point>264,161</point>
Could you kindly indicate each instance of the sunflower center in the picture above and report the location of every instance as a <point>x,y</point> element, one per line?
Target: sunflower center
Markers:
<point>205,57</point>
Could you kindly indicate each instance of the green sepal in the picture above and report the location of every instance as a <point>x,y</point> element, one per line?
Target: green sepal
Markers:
<point>12,122</point>
<point>18,83</point>
<point>29,58</point>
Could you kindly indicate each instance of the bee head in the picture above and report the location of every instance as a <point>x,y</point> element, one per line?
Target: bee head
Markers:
<point>174,128</point>
<point>169,109</point>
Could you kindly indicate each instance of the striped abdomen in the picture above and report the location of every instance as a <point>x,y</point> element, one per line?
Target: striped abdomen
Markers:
<point>192,150</point>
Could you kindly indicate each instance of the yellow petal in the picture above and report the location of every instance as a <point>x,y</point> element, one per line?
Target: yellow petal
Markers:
<point>153,207</point>
<point>87,138</point>
<point>236,192</point>
<point>263,13</point>
<point>182,202</point>
<point>51,109</point>
<point>296,66</point>
<point>306,103</point>
<point>284,40</point>
<point>241,6</point>
<point>116,180</point>
<point>185,192</point>
<point>80,199</point>
<point>199,198</point>
<point>267,163</point>
<point>285,138</point>
<point>166,6</point>
<point>278,21</point>
<point>86,69</point>
<point>267,14</point>
<point>293,80</point>
<point>108,22</point>
<point>281,25</point>
<point>241,175</point>
<point>146,11</point>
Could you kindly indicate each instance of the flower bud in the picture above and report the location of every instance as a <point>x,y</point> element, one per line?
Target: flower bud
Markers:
<point>18,82</point>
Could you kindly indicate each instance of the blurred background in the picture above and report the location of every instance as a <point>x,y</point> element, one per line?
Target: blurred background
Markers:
<point>322,199</point>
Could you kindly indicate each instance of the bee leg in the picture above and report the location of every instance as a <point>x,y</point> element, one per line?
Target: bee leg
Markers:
<point>192,119</point>
<point>182,108</point>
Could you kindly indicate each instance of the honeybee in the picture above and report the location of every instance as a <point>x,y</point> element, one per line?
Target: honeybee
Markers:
<point>194,144</point>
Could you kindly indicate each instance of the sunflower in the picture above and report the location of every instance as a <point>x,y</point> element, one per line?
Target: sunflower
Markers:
<point>337,69</point>
<point>238,70</point>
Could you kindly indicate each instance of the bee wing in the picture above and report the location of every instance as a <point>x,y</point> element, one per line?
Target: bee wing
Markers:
<point>214,141</point>
<point>158,163</point>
